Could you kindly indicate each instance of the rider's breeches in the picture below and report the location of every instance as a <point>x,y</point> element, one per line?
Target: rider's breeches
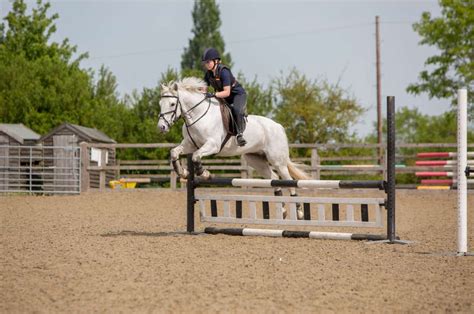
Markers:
<point>239,110</point>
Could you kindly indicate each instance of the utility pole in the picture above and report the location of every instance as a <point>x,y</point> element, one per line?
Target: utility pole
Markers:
<point>379,90</point>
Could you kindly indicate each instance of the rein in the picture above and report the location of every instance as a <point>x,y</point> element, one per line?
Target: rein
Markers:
<point>183,114</point>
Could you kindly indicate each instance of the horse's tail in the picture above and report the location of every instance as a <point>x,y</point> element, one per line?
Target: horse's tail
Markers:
<point>295,171</point>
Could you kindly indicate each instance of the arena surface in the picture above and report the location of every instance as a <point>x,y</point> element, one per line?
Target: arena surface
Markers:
<point>124,251</point>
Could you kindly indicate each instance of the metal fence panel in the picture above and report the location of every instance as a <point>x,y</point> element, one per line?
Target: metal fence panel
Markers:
<point>40,169</point>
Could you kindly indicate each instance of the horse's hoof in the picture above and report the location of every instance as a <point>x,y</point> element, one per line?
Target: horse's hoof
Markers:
<point>206,175</point>
<point>184,174</point>
<point>300,214</point>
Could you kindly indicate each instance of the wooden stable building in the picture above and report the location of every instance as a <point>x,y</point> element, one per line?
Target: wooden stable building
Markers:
<point>71,135</point>
<point>17,154</point>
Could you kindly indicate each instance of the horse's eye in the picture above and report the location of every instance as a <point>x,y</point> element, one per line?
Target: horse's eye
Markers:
<point>173,104</point>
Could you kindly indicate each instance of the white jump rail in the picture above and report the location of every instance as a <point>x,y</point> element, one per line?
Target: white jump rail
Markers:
<point>462,173</point>
<point>274,214</point>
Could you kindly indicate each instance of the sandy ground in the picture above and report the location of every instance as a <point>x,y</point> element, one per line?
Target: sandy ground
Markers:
<point>124,252</point>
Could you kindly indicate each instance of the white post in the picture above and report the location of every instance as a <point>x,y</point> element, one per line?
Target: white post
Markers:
<point>461,176</point>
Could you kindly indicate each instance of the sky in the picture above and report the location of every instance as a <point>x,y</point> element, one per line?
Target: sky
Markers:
<point>333,40</point>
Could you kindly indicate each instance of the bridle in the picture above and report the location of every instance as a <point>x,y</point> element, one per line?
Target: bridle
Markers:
<point>174,116</point>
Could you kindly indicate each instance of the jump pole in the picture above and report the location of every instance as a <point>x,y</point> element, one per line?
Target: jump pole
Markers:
<point>462,172</point>
<point>391,235</point>
<point>191,198</point>
<point>391,175</point>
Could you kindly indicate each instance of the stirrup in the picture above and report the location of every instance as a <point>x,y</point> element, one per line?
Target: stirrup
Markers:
<point>240,140</point>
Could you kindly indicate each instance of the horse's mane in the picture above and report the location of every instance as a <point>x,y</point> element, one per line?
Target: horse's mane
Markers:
<point>190,84</point>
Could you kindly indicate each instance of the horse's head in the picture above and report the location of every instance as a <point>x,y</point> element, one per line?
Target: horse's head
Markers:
<point>170,109</point>
<point>173,104</point>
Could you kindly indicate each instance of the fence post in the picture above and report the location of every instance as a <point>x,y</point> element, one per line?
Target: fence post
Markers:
<point>172,177</point>
<point>382,156</point>
<point>31,170</point>
<point>249,172</point>
<point>244,172</point>
<point>117,172</point>
<point>85,162</point>
<point>102,173</point>
<point>315,163</point>
<point>384,165</point>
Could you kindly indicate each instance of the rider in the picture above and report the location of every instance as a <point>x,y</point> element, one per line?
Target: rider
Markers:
<point>226,86</point>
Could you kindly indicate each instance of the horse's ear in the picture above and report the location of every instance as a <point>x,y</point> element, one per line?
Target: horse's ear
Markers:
<point>174,86</point>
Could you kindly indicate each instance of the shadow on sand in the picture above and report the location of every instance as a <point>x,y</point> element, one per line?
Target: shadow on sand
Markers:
<point>150,234</point>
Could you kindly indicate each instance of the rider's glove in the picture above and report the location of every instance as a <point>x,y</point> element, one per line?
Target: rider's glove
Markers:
<point>210,95</point>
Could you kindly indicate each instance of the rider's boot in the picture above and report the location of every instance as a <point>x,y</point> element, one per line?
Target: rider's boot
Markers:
<point>241,140</point>
<point>240,126</point>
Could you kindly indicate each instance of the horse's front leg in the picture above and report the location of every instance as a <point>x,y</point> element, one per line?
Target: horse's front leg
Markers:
<point>209,148</point>
<point>183,148</point>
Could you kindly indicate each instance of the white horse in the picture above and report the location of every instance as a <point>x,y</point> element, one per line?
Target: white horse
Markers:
<point>204,134</point>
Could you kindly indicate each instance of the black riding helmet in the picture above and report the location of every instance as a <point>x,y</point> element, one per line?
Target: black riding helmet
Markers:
<point>210,54</point>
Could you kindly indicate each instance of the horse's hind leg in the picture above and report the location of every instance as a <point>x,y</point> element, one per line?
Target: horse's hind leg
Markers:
<point>260,164</point>
<point>285,175</point>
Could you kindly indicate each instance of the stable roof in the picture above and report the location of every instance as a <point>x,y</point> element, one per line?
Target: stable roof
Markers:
<point>90,134</point>
<point>19,132</point>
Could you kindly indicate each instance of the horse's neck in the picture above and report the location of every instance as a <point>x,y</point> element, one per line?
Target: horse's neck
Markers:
<point>205,111</point>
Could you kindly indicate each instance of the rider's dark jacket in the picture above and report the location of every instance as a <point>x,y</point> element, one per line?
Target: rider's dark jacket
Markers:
<point>224,77</point>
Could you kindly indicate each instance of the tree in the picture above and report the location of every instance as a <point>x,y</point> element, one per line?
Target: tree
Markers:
<point>206,20</point>
<point>29,35</point>
<point>107,112</point>
<point>415,127</point>
<point>42,93</point>
<point>40,85</point>
<point>259,99</point>
<point>453,35</point>
<point>314,111</point>
<point>145,107</point>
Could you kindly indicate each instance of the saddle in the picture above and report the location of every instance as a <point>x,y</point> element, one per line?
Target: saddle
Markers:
<point>227,119</point>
